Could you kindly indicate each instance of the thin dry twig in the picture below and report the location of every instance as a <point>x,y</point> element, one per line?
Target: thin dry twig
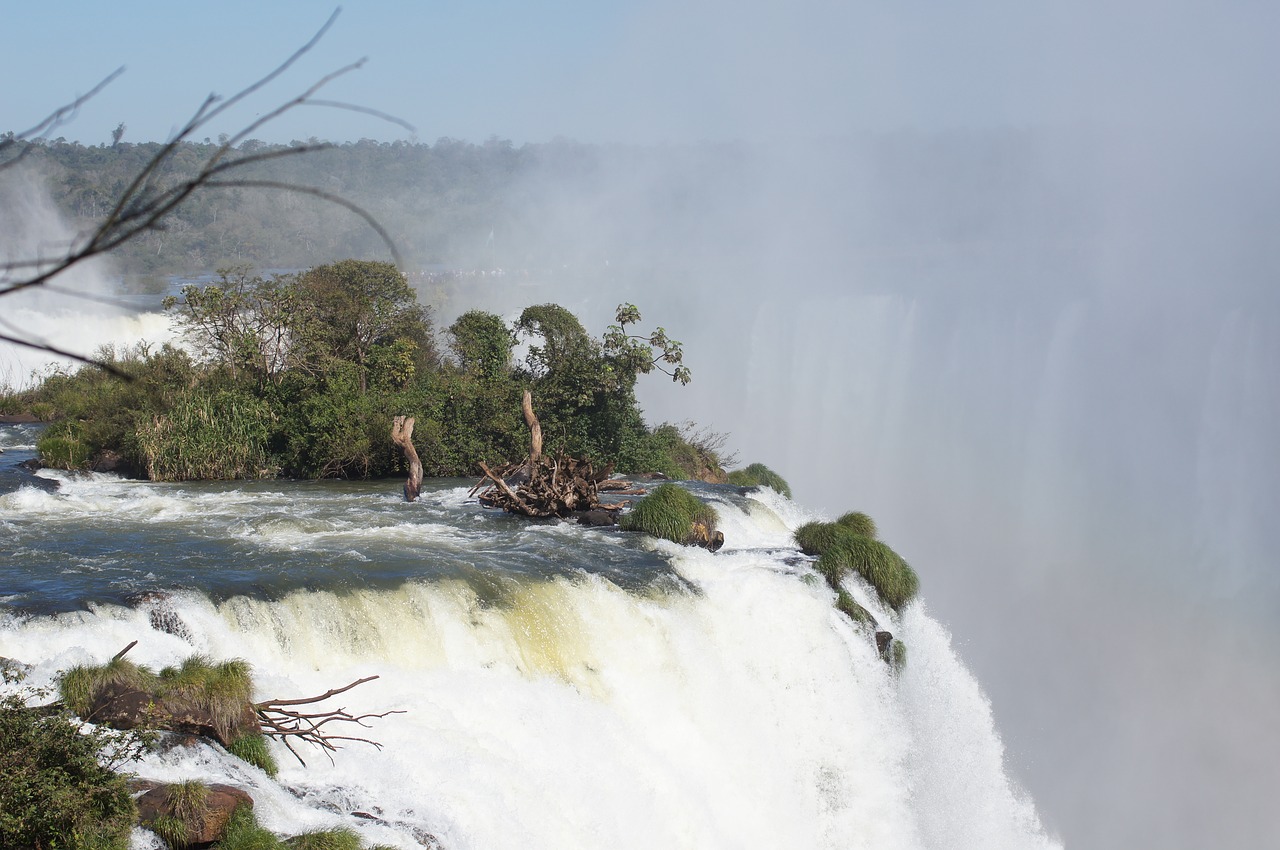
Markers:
<point>145,203</point>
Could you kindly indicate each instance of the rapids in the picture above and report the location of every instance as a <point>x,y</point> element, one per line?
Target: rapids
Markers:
<point>563,687</point>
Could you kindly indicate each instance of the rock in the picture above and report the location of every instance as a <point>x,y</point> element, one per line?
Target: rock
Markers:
<point>124,707</point>
<point>111,461</point>
<point>883,640</point>
<point>703,536</point>
<point>208,825</point>
<point>18,419</point>
<point>596,518</point>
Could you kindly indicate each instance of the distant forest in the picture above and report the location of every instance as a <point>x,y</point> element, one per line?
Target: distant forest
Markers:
<point>454,204</point>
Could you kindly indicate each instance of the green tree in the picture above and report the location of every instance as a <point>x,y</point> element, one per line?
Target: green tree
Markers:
<point>354,306</point>
<point>482,342</point>
<point>245,323</point>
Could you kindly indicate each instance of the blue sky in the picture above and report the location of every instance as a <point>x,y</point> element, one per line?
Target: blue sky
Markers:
<point>653,71</point>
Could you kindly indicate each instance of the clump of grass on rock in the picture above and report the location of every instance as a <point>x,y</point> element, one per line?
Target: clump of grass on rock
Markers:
<point>759,475</point>
<point>841,550</point>
<point>858,523</point>
<point>670,512</point>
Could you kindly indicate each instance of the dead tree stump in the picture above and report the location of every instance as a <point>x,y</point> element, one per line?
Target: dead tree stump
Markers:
<point>535,428</point>
<point>402,436</point>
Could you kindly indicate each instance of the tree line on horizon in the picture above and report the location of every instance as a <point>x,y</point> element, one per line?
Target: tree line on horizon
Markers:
<point>453,203</point>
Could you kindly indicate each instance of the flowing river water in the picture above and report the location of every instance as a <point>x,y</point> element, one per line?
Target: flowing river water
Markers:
<point>562,687</point>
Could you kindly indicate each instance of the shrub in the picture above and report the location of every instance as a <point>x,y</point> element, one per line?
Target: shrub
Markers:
<point>669,512</point>
<point>62,446</point>
<point>759,475</point>
<point>208,436</point>
<point>858,523</point>
<point>54,792</point>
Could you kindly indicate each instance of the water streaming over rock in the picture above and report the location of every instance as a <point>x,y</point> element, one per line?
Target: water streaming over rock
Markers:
<point>563,687</point>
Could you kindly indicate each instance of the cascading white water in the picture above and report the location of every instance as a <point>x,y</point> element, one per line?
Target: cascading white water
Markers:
<point>76,311</point>
<point>743,712</point>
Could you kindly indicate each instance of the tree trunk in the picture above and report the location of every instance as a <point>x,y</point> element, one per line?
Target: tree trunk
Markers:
<point>402,436</point>
<point>535,429</point>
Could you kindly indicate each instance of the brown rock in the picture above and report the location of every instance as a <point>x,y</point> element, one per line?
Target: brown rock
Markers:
<point>124,707</point>
<point>207,826</point>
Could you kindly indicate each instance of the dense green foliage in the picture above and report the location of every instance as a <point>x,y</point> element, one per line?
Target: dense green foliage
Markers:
<point>54,790</point>
<point>759,475</point>
<point>842,550</point>
<point>301,376</point>
<point>669,512</point>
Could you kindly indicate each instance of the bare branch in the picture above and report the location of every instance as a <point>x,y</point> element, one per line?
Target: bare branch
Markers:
<point>278,720</point>
<point>145,203</point>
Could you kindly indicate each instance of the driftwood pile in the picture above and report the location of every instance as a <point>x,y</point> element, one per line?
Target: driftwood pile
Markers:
<point>548,487</point>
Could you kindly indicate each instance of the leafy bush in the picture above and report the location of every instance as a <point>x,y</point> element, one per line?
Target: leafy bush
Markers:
<point>759,475</point>
<point>54,790</point>
<point>62,446</point>
<point>669,512</point>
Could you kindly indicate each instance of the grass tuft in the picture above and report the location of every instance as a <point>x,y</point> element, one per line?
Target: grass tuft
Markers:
<point>898,653</point>
<point>759,475</point>
<point>254,750</point>
<point>817,538</point>
<point>847,605</point>
<point>223,689</point>
<point>858,523</point>
<point>669,512</point>
<point>841,550</point>
<point>244,833</point>
<point>325,839</point>
<point>172,830</point>
<point>79,685</point>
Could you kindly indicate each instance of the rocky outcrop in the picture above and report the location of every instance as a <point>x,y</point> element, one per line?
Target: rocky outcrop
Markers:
<point>123,706</point>
<point>203,820</point>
